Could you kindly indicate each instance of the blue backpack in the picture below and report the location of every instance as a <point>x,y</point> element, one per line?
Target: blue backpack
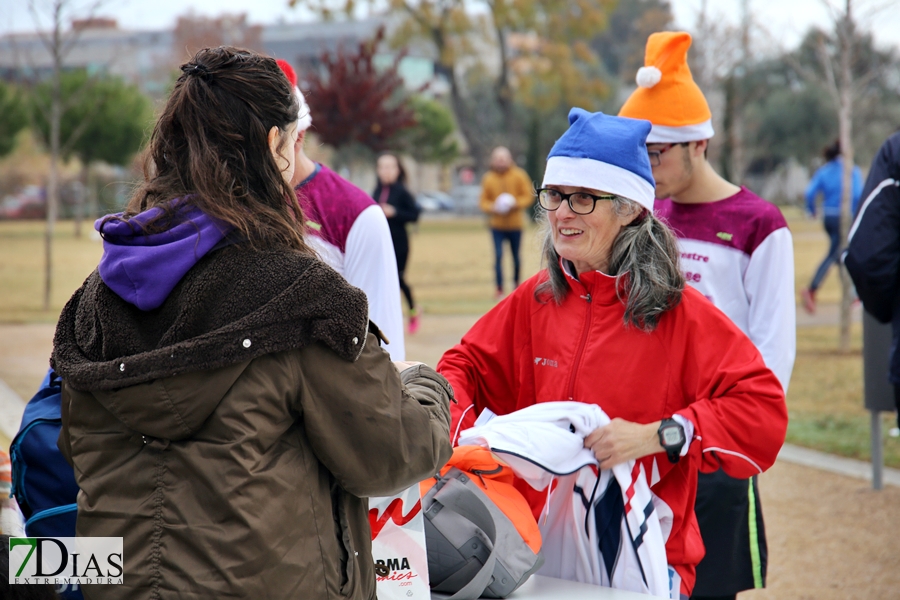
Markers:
<point>43,483</point>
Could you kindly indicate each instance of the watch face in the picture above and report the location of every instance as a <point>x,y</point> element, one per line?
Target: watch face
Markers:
<point>671,436</point>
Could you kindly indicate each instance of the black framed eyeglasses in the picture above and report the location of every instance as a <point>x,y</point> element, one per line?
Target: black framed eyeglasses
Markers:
<point>656,155</point>
<point>581,203</point>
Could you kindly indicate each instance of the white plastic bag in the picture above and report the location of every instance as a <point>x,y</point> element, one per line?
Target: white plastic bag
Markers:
<point>504,203</point>
<point>398,546</point>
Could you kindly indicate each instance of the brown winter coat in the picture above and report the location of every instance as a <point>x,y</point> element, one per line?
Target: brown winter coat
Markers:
<point>232,435</point>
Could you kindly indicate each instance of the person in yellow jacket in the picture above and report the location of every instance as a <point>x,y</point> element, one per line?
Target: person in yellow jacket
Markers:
<point>506,191</point>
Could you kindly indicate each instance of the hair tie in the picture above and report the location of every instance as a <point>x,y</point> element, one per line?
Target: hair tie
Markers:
<point>196,69</point>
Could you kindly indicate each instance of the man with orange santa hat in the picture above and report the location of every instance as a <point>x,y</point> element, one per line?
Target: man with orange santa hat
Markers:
<point>736,250</point>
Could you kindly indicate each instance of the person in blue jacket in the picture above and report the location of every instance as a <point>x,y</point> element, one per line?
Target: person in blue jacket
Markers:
<point>828,180</point>
<point>873,253</point>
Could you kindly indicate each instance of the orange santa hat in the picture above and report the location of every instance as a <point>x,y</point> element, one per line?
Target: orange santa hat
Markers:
<point>667,95</point>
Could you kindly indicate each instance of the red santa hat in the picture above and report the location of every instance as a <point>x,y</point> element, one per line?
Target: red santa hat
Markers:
<point>304,118</point>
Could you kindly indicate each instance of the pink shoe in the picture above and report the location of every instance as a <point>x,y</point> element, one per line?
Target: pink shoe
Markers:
<point>413,324</point>
<point>809,300</point>
<point>498,295</point>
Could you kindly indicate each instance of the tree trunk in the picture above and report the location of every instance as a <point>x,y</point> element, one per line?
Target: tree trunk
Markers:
<point>52,197</point>
<point>736,134</point>
<point>727,150</point>
<point>53,183</point>
<point>446,180</point>
<point>469,131</point>
<point>503,89</point>
<point>477,148</point>
<point>738,162</point>
<point>533,153</point>
<point>81,200</point>
<point>845,124</point>
<point>93,203</point>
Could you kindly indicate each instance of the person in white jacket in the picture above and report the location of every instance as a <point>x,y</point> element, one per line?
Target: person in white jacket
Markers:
<point>350,232</point>
<point>736,249</point>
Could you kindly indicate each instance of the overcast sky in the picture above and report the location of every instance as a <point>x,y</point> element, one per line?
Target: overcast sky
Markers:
<point>786,19</point>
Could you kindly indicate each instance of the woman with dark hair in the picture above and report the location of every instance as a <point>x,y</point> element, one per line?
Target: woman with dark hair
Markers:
<point>828,180</point>
<point>400,208</point>
<point>610,323</point>
<point>226,405</point>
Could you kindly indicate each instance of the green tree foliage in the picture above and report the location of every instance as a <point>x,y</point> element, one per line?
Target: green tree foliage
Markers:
<point>432,137</point>
<point>867,59</point>
<point>13,117</point>
<point>791,123</point>
<point>103,119</point>
<point>790,113</point>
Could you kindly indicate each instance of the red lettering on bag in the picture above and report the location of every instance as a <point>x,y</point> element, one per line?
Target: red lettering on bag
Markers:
<point>394,512</point>
<point>398,576</point>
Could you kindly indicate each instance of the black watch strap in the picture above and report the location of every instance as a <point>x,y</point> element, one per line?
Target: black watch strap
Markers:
<point>671,438</point>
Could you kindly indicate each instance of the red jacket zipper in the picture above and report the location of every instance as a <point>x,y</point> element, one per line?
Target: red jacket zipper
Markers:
<point>584,335</point>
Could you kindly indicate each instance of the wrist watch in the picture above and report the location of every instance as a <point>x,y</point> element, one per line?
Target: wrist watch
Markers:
<point>671,438</point>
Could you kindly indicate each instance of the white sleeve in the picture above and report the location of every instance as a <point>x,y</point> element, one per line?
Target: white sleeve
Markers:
<point>772,320</point>
<point>370,265</point>
<point>688,427</point>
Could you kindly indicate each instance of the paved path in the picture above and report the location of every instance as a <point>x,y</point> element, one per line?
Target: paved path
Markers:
<point>11,407</point>
<point>826,314</point>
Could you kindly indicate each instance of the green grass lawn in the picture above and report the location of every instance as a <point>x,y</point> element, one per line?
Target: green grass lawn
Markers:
<point>22,268</point>
<point>451,272</point>
<point>451,265</point>
<point>825,398</point>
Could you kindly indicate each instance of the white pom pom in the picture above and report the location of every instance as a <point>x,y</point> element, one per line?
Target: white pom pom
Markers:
<point>647,77</point>
<point>304,117</point>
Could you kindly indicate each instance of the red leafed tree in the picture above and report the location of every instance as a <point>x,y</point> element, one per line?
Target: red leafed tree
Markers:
<point>353,102</point>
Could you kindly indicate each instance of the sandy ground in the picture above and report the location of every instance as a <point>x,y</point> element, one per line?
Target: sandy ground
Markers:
<point>830,537</point>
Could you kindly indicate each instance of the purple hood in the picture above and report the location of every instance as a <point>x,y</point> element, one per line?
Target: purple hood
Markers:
<point>143,269</point>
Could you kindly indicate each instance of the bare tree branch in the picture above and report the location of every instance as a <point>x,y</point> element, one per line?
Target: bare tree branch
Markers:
<point>828,67</point>
<point>799,68</point>
<point>58,45</point>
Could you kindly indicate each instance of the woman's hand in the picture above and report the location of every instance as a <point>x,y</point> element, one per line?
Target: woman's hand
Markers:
<point>622,440</point>
<point>403,365</point>
<point>389,210</point>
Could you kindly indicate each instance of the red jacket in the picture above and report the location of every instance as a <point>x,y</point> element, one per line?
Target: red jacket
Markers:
<point>696,363</point>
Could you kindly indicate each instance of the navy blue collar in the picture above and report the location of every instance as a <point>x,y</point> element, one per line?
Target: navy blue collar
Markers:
<point>310,177</point>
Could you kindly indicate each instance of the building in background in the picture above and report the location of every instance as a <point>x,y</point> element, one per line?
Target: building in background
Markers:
<point>149,59</point>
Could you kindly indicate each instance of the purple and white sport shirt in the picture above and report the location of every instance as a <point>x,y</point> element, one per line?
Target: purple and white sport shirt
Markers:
<point>738,252</point>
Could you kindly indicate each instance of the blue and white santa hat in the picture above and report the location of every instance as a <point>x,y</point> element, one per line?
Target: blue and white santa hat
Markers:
<point>604,153</point>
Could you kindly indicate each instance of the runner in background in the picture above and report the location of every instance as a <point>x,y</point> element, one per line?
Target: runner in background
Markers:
<point>400,208</point>
<point>829,181</point>
<point>736,250</point>
<point>349,232</point>
<point>506,192</point>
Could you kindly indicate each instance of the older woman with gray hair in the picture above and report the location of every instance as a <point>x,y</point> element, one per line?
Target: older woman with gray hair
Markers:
<point>610,322</point>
